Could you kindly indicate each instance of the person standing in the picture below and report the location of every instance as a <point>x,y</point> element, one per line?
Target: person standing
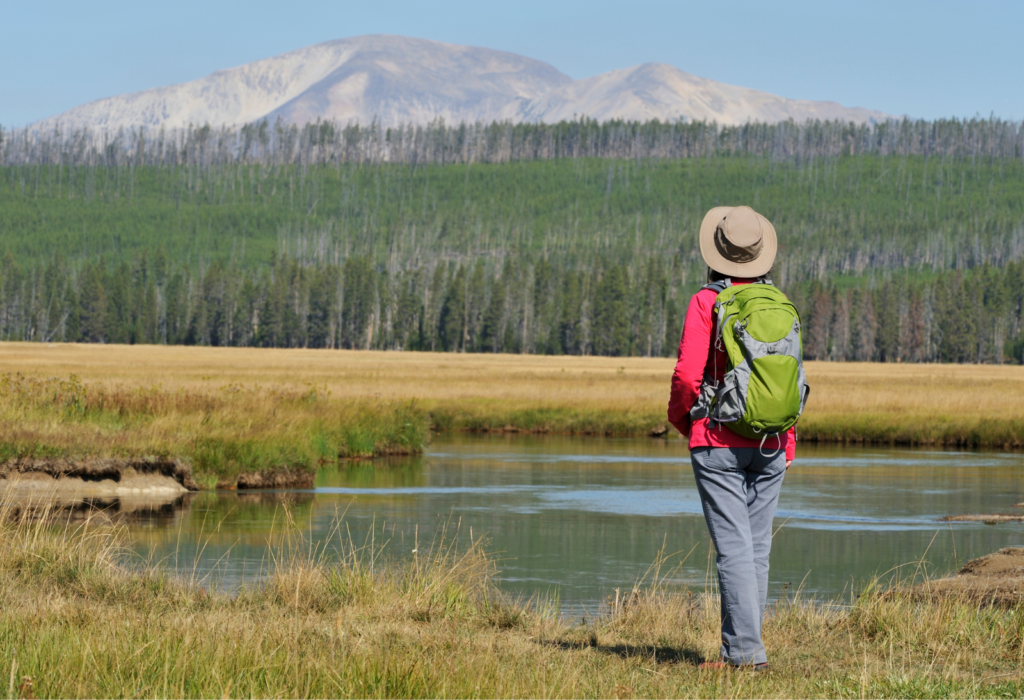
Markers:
<point>723,387</point>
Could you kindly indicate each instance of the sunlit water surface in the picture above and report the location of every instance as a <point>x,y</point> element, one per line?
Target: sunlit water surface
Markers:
<point>577,518</point>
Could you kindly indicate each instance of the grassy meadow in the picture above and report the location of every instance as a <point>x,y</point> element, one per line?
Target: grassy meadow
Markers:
<point>221,430</point>
<point>225,407</point>
<point>80,618</point>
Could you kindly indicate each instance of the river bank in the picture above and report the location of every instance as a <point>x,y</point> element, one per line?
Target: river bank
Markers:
<point>254,418</point>
<point>229,437</point>
<point>80,619</point>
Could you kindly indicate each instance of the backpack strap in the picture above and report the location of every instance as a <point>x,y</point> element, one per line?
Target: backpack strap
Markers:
<point>709,386</point>
<point>719,286</point>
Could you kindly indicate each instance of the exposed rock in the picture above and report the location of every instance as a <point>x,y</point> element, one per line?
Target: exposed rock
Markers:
<point>660,430</point>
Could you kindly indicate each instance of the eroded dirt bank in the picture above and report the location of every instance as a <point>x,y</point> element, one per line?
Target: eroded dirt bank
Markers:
<point>96,477</point>
<point>994,579</point>
<point>126,478</point>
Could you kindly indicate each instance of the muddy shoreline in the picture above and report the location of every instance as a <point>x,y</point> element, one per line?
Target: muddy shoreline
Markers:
<point>124,478</point>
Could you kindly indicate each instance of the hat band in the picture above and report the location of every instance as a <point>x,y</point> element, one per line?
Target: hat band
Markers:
<point>735,253</point>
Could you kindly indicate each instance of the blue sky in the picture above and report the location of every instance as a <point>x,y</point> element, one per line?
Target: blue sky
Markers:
<point>925,59</point>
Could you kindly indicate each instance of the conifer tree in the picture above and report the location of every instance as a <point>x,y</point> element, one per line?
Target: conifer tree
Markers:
<point>864,326</point>
<point>322,297</point>
<point>119,322</point>
<point>673,327</point>
<point>271,332</point>
<point>816,330</point>
<point>476,304</point>
<point>93,305</point>
<point>452,326</point>
<point>359,301</point>
<point>492,332</point>
<point>433,300</point>
<point>408,314</point>
<point>887,337</point>
<point>611,313</point>
<point>569,337</point>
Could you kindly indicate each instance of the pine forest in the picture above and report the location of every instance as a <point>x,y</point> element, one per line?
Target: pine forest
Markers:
<point>901,241</point>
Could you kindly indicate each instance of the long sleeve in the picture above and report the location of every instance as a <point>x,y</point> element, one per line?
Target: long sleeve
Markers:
<point>691,360</point>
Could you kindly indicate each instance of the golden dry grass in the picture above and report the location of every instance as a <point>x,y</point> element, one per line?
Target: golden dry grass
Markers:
<point>75,623</point>
<point>353,373</point>
<point>969,405</point>
<point>228,435</point>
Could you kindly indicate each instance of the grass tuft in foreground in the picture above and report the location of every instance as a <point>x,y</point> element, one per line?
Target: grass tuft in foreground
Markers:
<point>221,432</point>
<point>75,620</point>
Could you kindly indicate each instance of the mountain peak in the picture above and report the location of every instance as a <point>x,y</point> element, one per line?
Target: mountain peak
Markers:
<point>406,80</point>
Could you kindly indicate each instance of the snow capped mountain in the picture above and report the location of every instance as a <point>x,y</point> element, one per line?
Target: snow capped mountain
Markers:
<point>402,80</point>
<point>660,91</point>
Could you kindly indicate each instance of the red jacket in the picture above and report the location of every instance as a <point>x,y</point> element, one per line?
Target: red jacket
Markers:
<point>696,354</point>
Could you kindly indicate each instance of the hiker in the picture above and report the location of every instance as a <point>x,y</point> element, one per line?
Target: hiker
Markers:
<point>736,394</point>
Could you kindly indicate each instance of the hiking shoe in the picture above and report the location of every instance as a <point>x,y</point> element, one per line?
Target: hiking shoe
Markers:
<point>719,665</point>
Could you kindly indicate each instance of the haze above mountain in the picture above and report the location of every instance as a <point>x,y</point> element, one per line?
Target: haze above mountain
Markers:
<point>403,80</point>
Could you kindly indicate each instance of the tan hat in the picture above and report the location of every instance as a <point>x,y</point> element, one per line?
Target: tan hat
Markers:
<point>738,242</point>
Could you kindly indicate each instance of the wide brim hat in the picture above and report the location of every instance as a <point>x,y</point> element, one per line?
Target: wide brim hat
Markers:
<point>738,242</point>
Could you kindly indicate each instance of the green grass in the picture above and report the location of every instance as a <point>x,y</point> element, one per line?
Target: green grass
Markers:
<point>485,416</point>
<point>938,429</point>
<point>225,433</point>
<point>80,618</point>
<point>220,434</point>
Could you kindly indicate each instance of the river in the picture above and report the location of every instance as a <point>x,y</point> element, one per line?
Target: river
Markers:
<point>577,518</point>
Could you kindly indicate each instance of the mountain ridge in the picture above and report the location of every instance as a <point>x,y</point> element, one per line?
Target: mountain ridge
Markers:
<point>404,80</point>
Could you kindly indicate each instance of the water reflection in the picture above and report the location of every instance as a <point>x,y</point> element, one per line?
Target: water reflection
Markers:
<point>584,516</point>
<point>160,509</point>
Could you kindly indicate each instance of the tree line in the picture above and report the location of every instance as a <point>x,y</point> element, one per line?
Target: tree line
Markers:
<point>514,304</point>
<point>323,236</point>
<point>333,143</point>
<point>847,215</point>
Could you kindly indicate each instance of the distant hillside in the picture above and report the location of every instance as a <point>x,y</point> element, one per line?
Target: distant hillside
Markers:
<point>895,258</point>
<point>403,80</point>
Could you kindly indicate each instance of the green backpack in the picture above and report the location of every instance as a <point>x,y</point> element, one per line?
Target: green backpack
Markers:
<point>764,390</point>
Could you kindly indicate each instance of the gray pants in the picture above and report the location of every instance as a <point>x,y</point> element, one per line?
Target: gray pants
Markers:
<point>739,489</point>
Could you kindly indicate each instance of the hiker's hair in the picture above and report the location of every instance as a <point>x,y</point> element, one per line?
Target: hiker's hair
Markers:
<point>716,276</point>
